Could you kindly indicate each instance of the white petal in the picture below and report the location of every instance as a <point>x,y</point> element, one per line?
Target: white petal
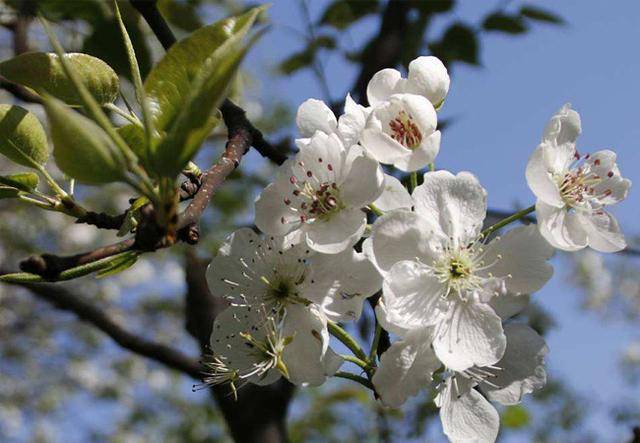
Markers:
<point>522,367</point>
<point>564,127</point>
<point>508,305</point>
<point>364,182</point>
<point>429,77</point>
<point>324,157</point>
<point>603,232</point>
<point>352,122</point>
<point>338,233</point>
<point>521,256</point>
<point>382,85</point>
<point>411,296</point>
<point>340,283</point>
<point>421,156</point>
<point>562,229</point>
<point>540,181</point>
<point>304,356</point>
<point>394,195</point>
<point>401,235</point>
<point>471,336</point>
<point>456,202</point>
<point>271,209</point>
<point>468,418</point>
<point>405,368</point>
<point>314,115</point>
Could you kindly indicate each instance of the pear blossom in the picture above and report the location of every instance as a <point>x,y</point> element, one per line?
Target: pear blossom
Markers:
<point>572,190</point>
<point>427,77</point>
<point>466,414</point>
<point>438,272</point>
<point>320,194</point>
<point>394,195</point>
<point>401,130</point>
<point>314,115</point>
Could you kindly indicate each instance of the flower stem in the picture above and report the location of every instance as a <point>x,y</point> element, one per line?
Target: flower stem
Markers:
<point>355,360</point>
<point>346,339</point>
<point>413,181</point>
<point>505,221</point>
<point>353,377</point>
<point>129,117</point>
<point>373,208</point>
<point>374,344</point>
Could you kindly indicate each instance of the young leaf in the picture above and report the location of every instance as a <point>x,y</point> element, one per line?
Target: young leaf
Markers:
<point>536,13</point>
<point>26,181</point>
<point>169,84</point>
<point>43,72</point>
<point>22,137</point>
<point>119,264</point>
<point>511,24</point>
<point>81,148</point>
<point>8,192</point>
<point>212,76</point>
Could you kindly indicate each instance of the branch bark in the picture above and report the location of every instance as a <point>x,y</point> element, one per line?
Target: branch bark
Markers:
<point>68,301</point>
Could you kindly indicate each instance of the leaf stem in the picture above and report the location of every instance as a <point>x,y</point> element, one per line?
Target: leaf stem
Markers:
<point>353,377</point>
<point>131,118</point>
<point>377,211</point>
<point>505,221</point>
<point>342,335</point>
<point>374,344</point>
<point>413,181</point>
<point>355,360</point>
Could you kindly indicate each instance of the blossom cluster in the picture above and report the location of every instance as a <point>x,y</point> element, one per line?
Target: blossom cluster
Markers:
<point>450,290</point>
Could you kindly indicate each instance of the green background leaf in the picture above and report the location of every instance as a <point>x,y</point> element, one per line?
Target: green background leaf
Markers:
<point>81,148</point>
<point>43,72</point>
<point>25,181</point>
<point>22,137</point>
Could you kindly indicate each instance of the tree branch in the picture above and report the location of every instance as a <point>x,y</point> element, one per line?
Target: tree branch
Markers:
<point>65,300</point>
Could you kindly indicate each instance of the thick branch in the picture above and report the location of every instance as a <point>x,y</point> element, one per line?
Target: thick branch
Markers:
<point>65,300</point>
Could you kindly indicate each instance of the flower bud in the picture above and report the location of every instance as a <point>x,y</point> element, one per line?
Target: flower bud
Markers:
<point>428,77</point>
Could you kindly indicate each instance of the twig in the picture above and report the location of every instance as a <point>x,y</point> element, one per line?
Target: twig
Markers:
<point>68,301</point>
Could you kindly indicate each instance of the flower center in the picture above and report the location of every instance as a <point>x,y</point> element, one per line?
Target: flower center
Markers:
<point>405,131</point>
<point>579,187</point>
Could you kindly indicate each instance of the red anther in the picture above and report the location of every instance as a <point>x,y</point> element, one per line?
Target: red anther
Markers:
<point>596,162</point>
<point>576,155</point>
<point>610,174</point>
<point>330,167</point>
<point>293,179</point>
<point>303,218</point>
<point>319,160</point>
<point>587,156</point>
<point>296,192</point>
<point>287,201</point>
<point>282,220</point>
<point>309,174</point>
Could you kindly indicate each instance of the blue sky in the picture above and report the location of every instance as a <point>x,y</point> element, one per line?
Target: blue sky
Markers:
<point>499,112</point>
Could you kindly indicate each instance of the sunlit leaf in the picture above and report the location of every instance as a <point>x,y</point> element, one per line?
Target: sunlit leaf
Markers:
<point>26,181</point>
<point>81,148</point>
<point>43,72</point>
<point>22,137</point>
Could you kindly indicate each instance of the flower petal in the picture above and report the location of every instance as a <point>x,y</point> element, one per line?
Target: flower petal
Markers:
<point>364,181</point>
<point>352,122</point>
<point>521,256</point>
<point>273,215</point>
<point>471,336</point>
<point>382,85</point>
<point>394,195</point>
<point>522,367</point>
<point>412,296</point>
<point>467,418</point>
<point>405,368</point>
<point>314,115</point>
<point>338,233</point>
<point>564,127</point>
<point>421,156</point>
<point>401,235</point>
<point>457,203</point>
<point>428,77</point>
<point>562,229</point>
<point>509,305</point>
<point>540,181</point>
<point>603,232</point>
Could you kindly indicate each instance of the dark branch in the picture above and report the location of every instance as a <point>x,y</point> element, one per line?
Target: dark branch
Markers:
<point>102,220</point>
<point>65,300</point>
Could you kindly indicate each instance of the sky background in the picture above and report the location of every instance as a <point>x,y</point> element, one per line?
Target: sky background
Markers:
<point>498,113</point>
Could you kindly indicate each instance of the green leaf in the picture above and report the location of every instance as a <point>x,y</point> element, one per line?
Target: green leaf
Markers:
<point>119,264</point>
<point>8,192</point>
<point>188,83</point>
<point>182,15</point>
<point>511,24</point>
<point>81,148</point>
<point>43,72</point>
<point>133,135</point>
<point>297,61</point>
<point>342,13</point>
<point>22,137</point>
<point>515,417</point>
<point>459,43</point>
<point>541,15</point>
<point>26,181</point>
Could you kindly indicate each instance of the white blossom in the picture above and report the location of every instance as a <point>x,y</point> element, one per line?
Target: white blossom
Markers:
<point>438,271</point>
<point>320,194</point>
<point>572,191</point>
<point>466,415</point>
<point>314,115</point>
